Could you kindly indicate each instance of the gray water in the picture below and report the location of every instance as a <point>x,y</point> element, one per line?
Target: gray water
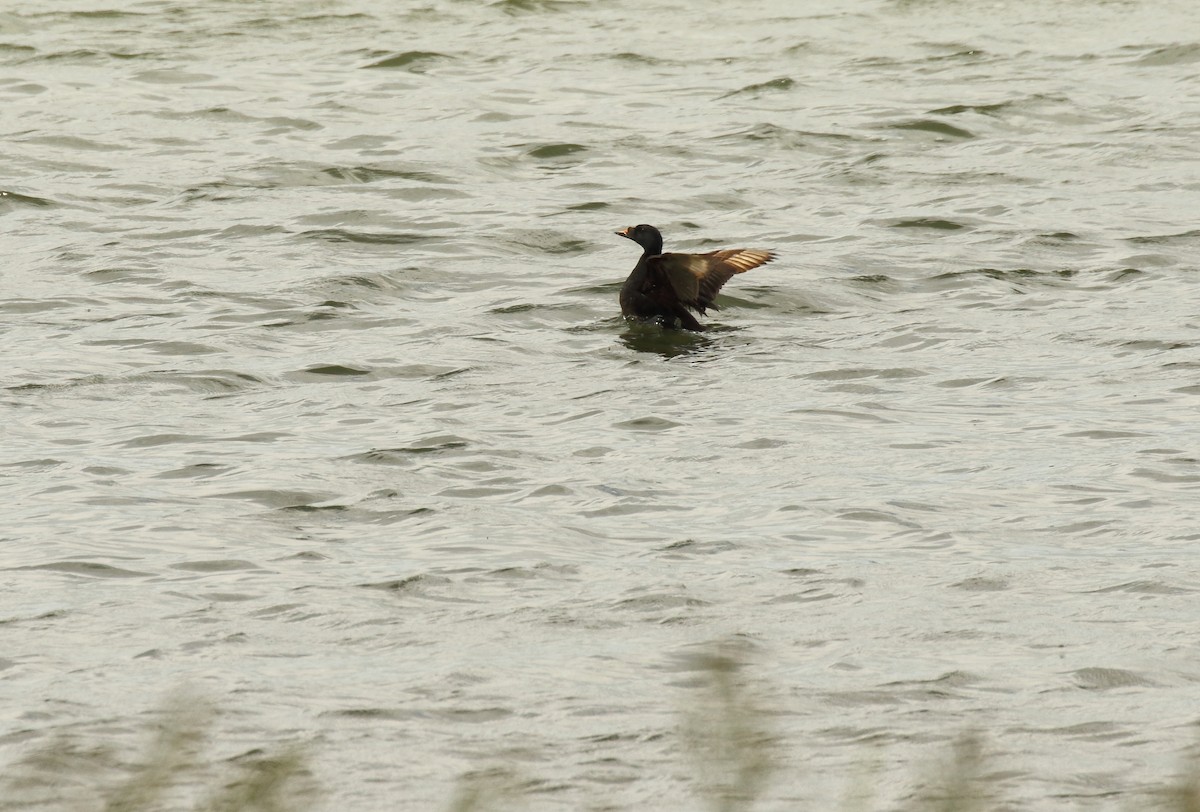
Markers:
<point>316,397</point>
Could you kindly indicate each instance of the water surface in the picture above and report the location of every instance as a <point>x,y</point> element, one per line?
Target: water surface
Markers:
<point>317,399</point>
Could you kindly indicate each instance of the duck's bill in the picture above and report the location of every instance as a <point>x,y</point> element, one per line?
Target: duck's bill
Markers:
<point>623,232</point>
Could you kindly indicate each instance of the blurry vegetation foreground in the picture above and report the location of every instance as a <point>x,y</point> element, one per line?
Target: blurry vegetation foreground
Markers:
<point>727,738</point>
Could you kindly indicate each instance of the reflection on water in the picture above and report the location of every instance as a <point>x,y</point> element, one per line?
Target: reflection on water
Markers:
<point>652,337</point>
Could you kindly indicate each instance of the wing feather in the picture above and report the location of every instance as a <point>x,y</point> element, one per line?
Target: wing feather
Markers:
<point>696,278</point>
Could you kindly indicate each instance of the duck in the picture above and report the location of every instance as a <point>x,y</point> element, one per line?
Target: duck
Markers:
<point>668,286</point>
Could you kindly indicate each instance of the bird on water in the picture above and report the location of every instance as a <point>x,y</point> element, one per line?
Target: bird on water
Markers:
<point>666,285</point>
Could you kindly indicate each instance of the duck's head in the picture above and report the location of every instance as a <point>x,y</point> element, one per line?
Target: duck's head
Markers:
<point>645,236</point>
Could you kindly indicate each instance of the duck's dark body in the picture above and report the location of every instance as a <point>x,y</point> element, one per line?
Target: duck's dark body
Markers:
<point>666,286</point>
<point>647,294</point>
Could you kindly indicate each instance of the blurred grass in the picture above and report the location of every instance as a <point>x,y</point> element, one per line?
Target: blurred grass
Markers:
<point>172,773</point>
<point>725,734</point>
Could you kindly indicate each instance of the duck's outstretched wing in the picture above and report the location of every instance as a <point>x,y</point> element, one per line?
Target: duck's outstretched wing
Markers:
<point>696,278</point>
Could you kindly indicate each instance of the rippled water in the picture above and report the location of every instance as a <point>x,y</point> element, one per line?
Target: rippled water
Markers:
<point>317,398</point>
